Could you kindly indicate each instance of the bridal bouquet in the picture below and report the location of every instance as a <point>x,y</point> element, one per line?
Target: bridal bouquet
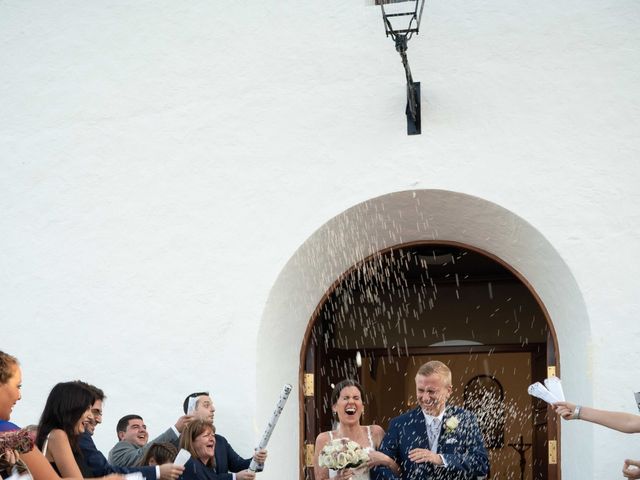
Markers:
<point>342,453</point>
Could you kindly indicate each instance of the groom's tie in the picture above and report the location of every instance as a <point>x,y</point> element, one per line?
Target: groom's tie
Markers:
<point>433,431</point>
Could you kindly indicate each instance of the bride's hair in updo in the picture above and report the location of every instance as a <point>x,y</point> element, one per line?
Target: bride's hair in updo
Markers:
<point>347,382</point>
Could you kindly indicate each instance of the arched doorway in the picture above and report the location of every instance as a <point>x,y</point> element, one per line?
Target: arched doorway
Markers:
<point>406,218</point>
<point>411,303</point>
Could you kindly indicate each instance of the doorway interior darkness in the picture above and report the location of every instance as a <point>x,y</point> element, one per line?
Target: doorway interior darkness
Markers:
<point>402,307</point>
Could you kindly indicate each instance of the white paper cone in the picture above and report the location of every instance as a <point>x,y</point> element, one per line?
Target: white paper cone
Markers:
<point>540,391</point>
<point>182,457</point>
<point>554,385</point>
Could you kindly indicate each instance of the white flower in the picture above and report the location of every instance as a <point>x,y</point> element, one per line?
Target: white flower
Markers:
<point>342,453</point>
<point>451,424</point>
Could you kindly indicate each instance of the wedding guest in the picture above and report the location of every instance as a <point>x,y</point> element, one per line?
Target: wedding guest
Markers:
<point>347,400</point>
<point>435,439</point>
<point>226,459</point>
<point>620,421</point>
<point>160,454</point>
<point>64,418</point>
<point>97,462</point>
<point>200,440</point>
<point>10,384</point>
<point>203,405</point>
<point>133,439</point>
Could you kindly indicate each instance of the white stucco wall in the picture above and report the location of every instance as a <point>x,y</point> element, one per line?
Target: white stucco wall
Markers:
<point>161,162</point>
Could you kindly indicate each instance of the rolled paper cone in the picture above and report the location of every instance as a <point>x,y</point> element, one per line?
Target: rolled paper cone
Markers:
<point>540,391</point>
<point>284,395</point>
<point>554,385</point>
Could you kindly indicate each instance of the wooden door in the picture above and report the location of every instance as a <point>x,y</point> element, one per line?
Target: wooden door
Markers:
<point>545,422</point>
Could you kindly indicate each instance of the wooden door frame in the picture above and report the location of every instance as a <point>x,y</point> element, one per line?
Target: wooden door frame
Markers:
<point>552,345</point>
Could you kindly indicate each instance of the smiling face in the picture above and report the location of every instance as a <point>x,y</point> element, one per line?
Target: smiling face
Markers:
<point>96,414</point>
<point>85,420</point>
<point>432,393</point>
<point>349,406</point>
<point>135,433</point>
<point>10,393</point>
<point>204,445</point>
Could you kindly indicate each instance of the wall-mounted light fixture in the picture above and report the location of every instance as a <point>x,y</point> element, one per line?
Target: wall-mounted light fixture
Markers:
<point>401,20</point>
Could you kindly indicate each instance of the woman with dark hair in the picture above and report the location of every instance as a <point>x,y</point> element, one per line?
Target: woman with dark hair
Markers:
<point>199,439</point>
<point>63,420</point>
<point>10,384</point>
<point>159,453</point>
<point>347,406</point>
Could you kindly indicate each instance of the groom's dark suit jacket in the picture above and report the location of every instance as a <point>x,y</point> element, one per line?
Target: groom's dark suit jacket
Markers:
<point>462,448</point>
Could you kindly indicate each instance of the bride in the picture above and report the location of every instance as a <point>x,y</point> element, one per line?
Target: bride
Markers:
<point>347,406</point>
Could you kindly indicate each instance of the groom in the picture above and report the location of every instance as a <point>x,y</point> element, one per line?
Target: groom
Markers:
<point>434,441</point>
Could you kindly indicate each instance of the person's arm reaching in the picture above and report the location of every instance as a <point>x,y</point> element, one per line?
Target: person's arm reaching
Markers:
<point>620,421</point>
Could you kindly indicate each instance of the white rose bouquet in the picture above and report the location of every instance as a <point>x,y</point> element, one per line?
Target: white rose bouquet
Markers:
<point>342,453</point>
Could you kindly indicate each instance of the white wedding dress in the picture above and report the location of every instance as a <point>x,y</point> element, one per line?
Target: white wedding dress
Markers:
<point>370,448</point>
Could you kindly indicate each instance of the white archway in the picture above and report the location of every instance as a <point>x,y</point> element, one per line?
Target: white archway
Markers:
<point>398,218</point>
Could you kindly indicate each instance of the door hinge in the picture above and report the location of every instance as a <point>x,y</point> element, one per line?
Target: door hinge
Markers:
<point>553,452</point>
<point>309,452</point>
<point>551,371</point>
<point>308,384</point>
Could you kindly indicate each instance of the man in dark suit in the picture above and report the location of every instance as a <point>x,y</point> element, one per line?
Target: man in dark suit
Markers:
<point>435,441</point>
<point>97,462</point>
<point>228,462</point>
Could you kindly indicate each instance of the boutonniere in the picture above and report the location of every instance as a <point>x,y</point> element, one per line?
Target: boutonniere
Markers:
<point>451,424</point>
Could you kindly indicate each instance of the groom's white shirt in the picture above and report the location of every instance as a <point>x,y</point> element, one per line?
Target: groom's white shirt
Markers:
<point>430,419</point>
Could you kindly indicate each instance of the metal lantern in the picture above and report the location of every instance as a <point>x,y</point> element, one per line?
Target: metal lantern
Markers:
<point>401,20</point>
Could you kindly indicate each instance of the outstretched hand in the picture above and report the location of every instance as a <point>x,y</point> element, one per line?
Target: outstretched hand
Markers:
<point>631,469</point>
<point>170,471</point>
<point>565,409</point>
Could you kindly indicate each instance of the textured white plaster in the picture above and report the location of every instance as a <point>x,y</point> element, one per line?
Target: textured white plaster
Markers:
<point>162,161</point>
